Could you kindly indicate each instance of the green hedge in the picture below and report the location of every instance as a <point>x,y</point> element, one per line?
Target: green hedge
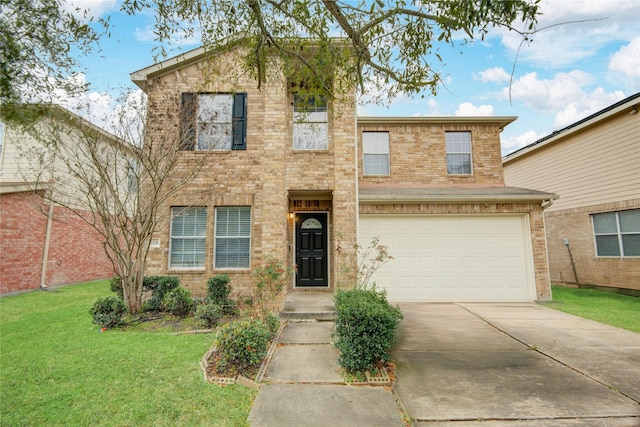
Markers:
<point>366,328</point>
<point>108,312</point>
<point>159,286</point>
<point>242,344</point>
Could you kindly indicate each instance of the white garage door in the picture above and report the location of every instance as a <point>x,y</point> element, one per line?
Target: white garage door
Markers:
<point>453,258</point>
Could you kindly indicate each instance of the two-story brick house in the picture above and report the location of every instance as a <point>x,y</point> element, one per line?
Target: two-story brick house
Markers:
<point>304,180</point>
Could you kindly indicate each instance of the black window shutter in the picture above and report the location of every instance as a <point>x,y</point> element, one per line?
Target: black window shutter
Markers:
<point>188,122</point>
<point>239,121</point>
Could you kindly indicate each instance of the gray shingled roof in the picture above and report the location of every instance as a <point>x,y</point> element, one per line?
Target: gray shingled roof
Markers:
<point>451,194</point>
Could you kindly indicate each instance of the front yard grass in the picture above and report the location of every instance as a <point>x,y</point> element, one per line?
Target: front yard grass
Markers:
<point>57,368</point>
<point>613,309</point>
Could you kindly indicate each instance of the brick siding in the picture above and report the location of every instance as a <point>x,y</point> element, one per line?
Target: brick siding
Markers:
<point>75,253</point>
<point>575,225</point>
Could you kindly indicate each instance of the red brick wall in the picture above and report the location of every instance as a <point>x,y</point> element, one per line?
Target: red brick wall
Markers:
<point>22,233</point>
<point>75,253</point>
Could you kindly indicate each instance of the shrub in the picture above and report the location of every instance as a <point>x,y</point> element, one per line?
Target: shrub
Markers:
<point>178,302</point>
<point>272,322</point>
<point>366,327</point>
<point>270,279</point>
<point>108,312</point>
<point>116,287</point>
<point>159,286</point>
<point>242,344</point>
<point>218,290</point>
<point>209,314</point>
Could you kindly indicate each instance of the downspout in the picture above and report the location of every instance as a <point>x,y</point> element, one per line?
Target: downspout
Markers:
<point>47,240</point>
<point>573,265</point>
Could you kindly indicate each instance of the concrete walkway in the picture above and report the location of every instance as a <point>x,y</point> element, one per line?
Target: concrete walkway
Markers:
<point>303,382</point>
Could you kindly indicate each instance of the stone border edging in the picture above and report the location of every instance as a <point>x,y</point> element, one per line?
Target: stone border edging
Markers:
<point>241,379</point>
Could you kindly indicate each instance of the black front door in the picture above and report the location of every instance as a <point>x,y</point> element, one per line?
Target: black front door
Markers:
<point>311,249</point>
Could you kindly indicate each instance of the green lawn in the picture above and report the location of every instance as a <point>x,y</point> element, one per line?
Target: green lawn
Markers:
<point>618,310</point>
<point>57,368</point>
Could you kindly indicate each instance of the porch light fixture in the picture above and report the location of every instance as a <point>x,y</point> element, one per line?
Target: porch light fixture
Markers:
<point>634,110</point>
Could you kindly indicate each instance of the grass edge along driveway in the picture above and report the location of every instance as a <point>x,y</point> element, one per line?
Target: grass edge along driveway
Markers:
<point>613,309</point>
<point>57,368</point>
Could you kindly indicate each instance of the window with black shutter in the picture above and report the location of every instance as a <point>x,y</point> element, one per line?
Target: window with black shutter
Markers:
<point>213,121</point>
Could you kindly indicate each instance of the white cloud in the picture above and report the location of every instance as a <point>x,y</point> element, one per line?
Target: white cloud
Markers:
<point>512,144</point>
<point>548,95</point>
<point>493,75</point>
<point>627,59</point>
<point>573,30</point>
<point>84,9</point>
<point>563,96</point>
<point>468,109</point>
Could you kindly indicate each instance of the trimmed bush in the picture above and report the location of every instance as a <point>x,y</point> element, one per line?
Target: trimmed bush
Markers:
<point>242,345</point>
<point>116,287</point>
<point>218,290</point>
<point>178,302</point>
<point>272,322</point>
<point>209,313</point>
<point>366,327</point>
<point>108,312</point>
<point>159,286</point>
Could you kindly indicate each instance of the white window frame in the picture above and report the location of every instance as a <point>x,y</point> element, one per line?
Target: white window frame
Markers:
<point>202,237</point>
<point>453,150</point>
<point>243,232</point>
<point>375,144</point>
<point>310,123</point>
<point>619,233</point>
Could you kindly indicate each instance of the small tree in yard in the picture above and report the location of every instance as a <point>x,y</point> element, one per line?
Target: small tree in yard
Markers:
<point>117,185</point>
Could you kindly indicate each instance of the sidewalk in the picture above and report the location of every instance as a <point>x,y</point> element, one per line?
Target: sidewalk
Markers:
<point>303,385</point>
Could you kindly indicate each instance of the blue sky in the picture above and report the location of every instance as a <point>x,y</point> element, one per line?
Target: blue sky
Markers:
<point>565,74</point>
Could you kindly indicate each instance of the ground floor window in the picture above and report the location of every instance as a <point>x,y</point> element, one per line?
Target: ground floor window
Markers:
<point>617,233</point>
<point>232,237</point>
<point>188,237</point>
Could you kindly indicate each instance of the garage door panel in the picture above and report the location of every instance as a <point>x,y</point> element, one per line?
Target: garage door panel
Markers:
<point>452,258</point>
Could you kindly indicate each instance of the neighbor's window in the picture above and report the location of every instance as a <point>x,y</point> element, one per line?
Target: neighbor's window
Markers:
<point>212,121</point>
<point>375,148</point>
<point>458,153</point>
<point>188,237</point>
<point>617,233</point>
<point>233,237</point>
<point>310,123</point>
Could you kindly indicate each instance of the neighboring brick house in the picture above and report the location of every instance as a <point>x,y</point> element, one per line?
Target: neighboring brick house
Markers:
<point>41,244</point>
<point>593,230</point>
<point>305,181</point>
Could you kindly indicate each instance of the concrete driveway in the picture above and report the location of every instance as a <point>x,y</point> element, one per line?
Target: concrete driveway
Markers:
<point>514,365</point>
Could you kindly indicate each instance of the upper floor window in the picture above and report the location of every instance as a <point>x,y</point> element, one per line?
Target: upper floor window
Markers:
<point>188,237</point>
<point>232,237</point>
<point>375,148</point>
<point>617,233</point>
<point>458,153</point>
<point>214,121</point>
<point>310,123</point>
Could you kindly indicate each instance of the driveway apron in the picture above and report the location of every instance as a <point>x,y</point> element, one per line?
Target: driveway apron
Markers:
<point>514,365</point>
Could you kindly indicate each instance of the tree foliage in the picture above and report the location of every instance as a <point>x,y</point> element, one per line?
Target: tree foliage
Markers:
<point>39,42</point>
<point>388,47</point>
